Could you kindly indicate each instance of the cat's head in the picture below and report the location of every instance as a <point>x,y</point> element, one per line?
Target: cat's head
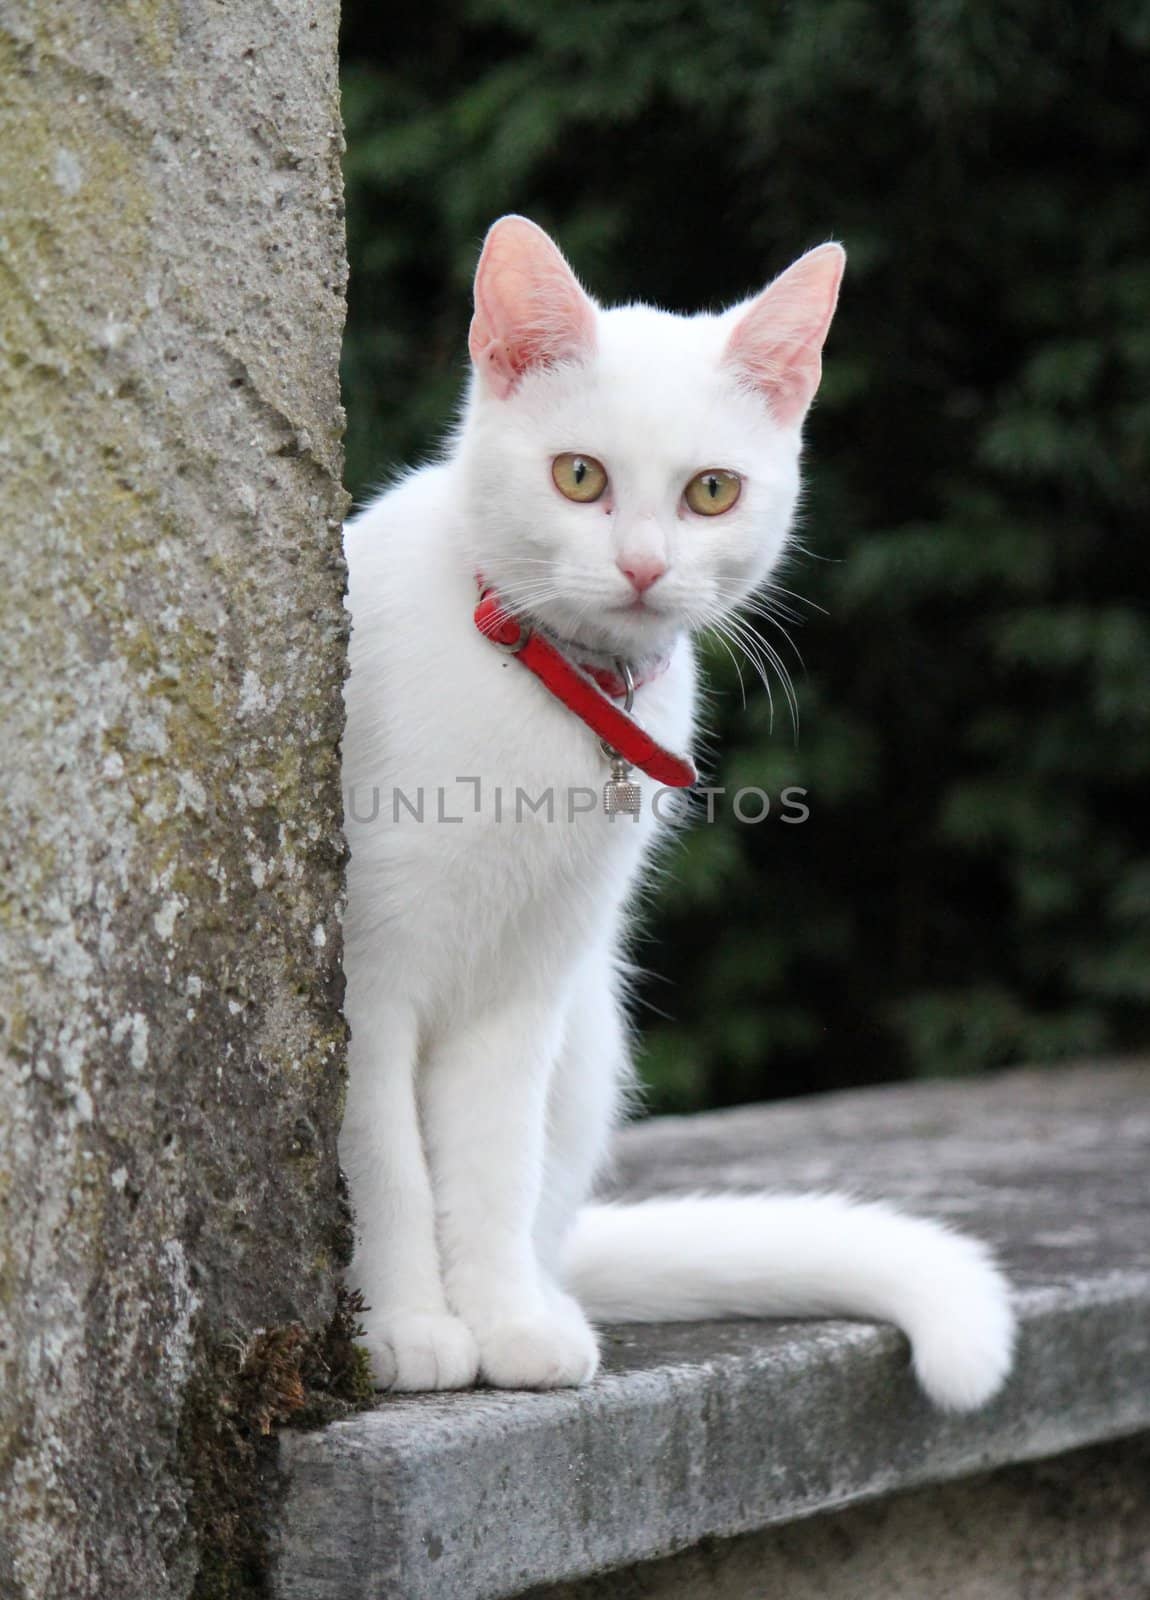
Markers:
<point>633,473</point>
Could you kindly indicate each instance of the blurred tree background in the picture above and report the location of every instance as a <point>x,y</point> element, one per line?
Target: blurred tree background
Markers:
<point>972,887</point>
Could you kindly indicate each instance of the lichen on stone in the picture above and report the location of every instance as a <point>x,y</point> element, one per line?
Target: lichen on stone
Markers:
<point>171,1043</point>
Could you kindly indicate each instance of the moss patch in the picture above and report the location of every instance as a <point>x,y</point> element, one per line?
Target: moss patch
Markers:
<point>243,1392</point>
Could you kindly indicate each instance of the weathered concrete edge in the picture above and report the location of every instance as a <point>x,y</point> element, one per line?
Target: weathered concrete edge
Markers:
<point>477,1497</point>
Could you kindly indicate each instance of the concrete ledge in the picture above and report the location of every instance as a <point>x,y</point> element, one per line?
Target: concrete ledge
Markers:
<point>1070,1527</point>
<point>718,1429</point>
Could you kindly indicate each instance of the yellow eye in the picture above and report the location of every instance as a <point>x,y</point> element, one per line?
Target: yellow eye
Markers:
<point>579,477</point>
<point>713,491</point>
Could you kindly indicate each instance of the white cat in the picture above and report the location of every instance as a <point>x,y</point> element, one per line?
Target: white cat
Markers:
<point>621,478</point>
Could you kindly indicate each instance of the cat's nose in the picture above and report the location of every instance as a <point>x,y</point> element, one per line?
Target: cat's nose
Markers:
<point>641,571</point>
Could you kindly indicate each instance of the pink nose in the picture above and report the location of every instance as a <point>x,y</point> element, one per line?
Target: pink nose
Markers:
<point>641,571</point>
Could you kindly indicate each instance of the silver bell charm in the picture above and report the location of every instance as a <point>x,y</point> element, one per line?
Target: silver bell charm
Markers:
<point>621,796</point>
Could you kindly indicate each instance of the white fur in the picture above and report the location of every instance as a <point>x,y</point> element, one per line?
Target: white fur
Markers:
<point>801,1255</point>
<point>489,1056</point>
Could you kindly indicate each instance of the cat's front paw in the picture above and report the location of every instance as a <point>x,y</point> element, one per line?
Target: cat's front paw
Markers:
<point>419,1350</point>
<point>542,1352</point>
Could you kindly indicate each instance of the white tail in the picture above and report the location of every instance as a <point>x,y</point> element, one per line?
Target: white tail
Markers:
<point>679,1260</point>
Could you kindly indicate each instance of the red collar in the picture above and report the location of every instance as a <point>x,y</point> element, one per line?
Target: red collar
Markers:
<point>614,684</point>
<point>584,690</point>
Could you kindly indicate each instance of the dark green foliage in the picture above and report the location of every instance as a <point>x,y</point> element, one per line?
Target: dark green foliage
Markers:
<point>973,884</point>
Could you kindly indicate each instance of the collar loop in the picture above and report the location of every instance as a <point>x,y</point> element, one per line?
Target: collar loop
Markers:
<point>584,691</point>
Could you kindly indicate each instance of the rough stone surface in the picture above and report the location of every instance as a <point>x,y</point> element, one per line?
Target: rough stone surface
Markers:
<point>714,1430</point>
<point>171,283</point>
<point>1071,1528</point>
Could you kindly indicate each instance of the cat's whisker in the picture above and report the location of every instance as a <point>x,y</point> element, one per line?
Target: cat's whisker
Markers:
<point>721,627</point>
<point>777,588</point>
<point>767,615</point>
<point>525,595</point>
<point>714,632</point>
<point>751,650</point>
<point>767,605</point>
<point>759,654</point>
<point>764,648</point>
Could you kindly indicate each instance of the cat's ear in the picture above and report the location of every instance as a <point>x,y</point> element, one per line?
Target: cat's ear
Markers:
<point>777,339</point>
<point>529,308</point>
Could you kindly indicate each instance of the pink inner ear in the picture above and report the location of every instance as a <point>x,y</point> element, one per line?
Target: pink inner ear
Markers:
<point>529,308</point>
<point>776,344</point>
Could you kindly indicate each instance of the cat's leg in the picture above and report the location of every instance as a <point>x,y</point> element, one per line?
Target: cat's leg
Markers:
<point>484,1098</point>
<point>585,1103</point>
<point>413,1339</point>
<point>587,1100</point>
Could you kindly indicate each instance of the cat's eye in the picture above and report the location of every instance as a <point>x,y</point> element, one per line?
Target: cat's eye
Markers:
<point>579,477</point>
<point>713,491</point>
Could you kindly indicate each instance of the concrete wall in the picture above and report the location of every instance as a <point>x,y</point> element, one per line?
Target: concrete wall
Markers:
<point>171,302</point>
<point>1073,1528</point>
